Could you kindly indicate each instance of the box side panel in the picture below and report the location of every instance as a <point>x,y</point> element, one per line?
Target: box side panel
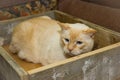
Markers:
<point>102,66</point>
<point>9,69</point>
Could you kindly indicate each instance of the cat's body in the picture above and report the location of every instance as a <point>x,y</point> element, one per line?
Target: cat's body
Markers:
<point>42,40</point>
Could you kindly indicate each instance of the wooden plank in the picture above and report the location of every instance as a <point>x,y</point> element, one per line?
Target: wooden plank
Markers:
<point>100,64</point>
<point>9,69</point>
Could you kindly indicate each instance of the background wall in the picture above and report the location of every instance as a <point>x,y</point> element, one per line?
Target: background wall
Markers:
<point>106,16</point>
<point>109,3</point>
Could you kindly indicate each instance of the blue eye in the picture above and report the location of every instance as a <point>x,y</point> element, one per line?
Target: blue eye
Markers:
<point>67,40</point>
<point>79,42</point>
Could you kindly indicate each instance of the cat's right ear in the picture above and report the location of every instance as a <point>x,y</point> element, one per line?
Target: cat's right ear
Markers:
<point>64,26</point>
<point>91,32</point>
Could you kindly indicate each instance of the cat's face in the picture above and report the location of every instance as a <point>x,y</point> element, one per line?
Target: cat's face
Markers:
<point>77,38</point>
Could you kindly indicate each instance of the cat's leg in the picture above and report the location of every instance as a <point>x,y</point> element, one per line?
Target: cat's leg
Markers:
<point>21,54</point>
<point>28,55</point>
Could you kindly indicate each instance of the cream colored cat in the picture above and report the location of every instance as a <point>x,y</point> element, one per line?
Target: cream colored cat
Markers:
<point>43,40</point>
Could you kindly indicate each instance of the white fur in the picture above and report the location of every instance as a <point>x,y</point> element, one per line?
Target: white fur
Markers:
<point>79,26</point>
<point>42,46</point>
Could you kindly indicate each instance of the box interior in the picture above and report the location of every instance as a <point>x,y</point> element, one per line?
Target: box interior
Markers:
<point>104,37</point>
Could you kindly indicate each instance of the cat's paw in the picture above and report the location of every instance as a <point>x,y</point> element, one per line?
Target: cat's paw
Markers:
<point>21,55</point>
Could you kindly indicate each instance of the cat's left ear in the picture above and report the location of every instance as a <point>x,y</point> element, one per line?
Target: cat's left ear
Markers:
<point>91,32</point>
<point>64,26</point>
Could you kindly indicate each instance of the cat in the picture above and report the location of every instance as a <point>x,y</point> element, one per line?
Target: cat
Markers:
<point>44,40</point>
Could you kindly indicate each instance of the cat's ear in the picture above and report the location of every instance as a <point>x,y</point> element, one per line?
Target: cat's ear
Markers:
<point>91,32</point>
<point>64,26</point>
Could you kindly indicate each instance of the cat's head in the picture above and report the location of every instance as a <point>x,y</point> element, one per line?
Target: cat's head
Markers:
<point>77,38</point>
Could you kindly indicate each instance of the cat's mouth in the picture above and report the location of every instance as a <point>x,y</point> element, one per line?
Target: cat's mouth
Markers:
<point>70,55</point>
<point>73,52</point>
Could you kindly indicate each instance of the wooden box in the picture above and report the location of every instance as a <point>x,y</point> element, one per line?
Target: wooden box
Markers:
<point>103,63</point>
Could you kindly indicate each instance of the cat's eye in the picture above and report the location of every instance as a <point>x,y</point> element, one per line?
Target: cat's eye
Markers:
<point>67,40</point>
<point>78,42</point>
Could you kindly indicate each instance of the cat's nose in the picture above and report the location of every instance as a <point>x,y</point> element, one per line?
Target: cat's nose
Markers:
<point>70,49</point>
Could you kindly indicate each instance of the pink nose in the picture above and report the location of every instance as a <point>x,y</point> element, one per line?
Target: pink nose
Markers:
<point>70,49</point>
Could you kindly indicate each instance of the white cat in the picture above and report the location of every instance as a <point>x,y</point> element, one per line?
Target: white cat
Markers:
<point>43,40</point>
